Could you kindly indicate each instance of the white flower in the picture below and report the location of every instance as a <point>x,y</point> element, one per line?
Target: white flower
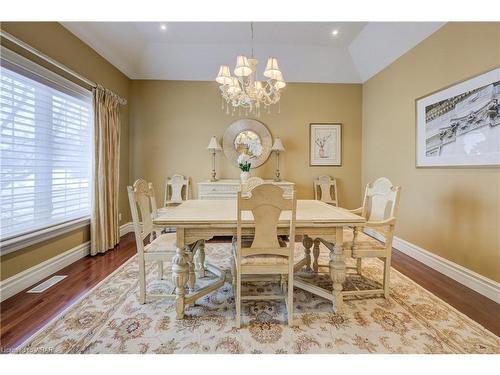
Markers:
<point>255,148</point>
<point>243,158</point>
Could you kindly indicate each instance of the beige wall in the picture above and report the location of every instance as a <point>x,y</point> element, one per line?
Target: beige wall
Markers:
<point>171,123</point>
<point>55,41</point>
<point>454,213</point>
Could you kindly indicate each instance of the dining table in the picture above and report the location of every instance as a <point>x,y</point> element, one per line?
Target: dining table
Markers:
<point>197,221</point>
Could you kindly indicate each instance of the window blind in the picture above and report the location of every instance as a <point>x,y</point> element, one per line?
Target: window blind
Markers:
<point>45,150</point>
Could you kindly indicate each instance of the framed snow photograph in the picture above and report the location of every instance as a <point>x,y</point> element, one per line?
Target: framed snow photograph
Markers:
<point>325,147</point>
<point>460,126</point>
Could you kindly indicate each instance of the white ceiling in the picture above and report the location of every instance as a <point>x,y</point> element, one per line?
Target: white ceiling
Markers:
<point>306,51</point>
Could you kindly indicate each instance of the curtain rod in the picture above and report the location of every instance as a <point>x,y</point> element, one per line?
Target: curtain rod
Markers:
<point>34,51</point>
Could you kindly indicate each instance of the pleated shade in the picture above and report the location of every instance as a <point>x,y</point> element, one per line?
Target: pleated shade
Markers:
<point>272,69</point>
<point>224,76</point>
<point>242,67</point>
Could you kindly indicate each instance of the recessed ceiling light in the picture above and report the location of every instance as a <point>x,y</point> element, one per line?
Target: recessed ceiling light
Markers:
<point>335,32</point>
<point>163,27</point>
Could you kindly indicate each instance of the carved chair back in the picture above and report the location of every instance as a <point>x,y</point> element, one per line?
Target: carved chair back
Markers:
<point>152,198</point>
<point>325,190</point>
<point>266,204</point>
<point>142,202</point>
<point>381,200</point>
<point>176,189</point>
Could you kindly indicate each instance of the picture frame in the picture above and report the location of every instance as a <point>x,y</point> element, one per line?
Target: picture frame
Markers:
<point>459,125</point>
<point>325,144</point>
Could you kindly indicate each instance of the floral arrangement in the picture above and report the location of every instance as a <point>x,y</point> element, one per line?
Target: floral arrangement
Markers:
<point>244,162</point>
<point>253,149</point>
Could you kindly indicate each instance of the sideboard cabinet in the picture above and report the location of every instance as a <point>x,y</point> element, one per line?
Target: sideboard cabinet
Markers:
<point>228,189</point>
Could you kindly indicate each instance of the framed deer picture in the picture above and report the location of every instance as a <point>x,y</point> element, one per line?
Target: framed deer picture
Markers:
<point>325,144</point>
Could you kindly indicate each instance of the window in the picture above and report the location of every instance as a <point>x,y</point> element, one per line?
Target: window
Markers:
<point>45,148</point>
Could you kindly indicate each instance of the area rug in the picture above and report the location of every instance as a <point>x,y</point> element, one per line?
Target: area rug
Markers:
<point>109,319</point>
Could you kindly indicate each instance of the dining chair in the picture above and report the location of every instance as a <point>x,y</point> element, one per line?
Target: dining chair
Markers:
<point>160,247</point>
<point>157,230</point>
<point>380,205</point>
<point>176,190</point>
<point>325,190</point>
<point>265,253</point>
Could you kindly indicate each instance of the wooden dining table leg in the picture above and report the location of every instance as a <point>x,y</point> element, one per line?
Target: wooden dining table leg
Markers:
<point>180,274</point>
<point>316,255</point>
<point>200,259</point>
<point>307,242</point>
<point>191,267</point>
<point>338,269</point>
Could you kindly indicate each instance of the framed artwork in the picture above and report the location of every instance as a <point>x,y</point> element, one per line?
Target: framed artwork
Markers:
<point>459,126</point>
<point>325,144</point>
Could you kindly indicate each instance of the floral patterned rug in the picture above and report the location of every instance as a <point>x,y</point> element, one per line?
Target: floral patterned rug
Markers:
<point>109,319</point>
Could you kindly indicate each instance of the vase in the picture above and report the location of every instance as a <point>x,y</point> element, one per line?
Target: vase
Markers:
<point>244,176</point>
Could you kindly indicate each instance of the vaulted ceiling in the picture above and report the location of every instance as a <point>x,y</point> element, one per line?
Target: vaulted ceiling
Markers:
<point>306,51</point>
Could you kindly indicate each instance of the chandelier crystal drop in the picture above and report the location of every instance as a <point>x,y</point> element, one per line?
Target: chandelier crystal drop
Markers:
<point>243,91</point>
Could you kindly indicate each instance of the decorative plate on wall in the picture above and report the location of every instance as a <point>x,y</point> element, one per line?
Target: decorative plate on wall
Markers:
<point>242,133</point>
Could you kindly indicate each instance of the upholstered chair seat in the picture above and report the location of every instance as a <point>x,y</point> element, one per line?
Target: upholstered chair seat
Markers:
<point>365,245</point>
<point>163,243</point>
<point>263,259</point>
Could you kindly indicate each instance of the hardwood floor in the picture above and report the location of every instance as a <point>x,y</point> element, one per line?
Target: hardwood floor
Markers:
<point>24,314</point>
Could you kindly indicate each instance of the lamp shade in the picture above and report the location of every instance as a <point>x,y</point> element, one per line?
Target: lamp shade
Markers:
<point>242,68</point>
<point>224,76</point>
<point>214,144</point>
<point>272,68</point>
<point>280,82</point>
<point>278,145</point>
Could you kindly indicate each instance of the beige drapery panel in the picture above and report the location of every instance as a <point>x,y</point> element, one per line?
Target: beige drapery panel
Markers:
<point>104,227</point>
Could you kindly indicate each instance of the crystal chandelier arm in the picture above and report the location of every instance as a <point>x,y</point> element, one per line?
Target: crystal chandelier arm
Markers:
<point>271,94</point>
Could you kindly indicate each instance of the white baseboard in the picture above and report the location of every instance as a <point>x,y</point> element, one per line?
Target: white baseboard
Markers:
<point>126,228</point>
<point>487,287</point>
<point>31,276</point>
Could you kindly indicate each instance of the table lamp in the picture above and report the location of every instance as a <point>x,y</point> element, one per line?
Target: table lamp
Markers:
<point>277,148</point>
<point>214,146</point>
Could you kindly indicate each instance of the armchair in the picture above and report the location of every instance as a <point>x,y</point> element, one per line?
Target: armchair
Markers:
<point>380,206</point>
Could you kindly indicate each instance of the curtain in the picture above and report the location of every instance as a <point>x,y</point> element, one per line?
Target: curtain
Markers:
<point>104,227</point>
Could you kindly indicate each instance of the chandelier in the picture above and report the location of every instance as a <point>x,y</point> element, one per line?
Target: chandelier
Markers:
<point>244,91</point>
